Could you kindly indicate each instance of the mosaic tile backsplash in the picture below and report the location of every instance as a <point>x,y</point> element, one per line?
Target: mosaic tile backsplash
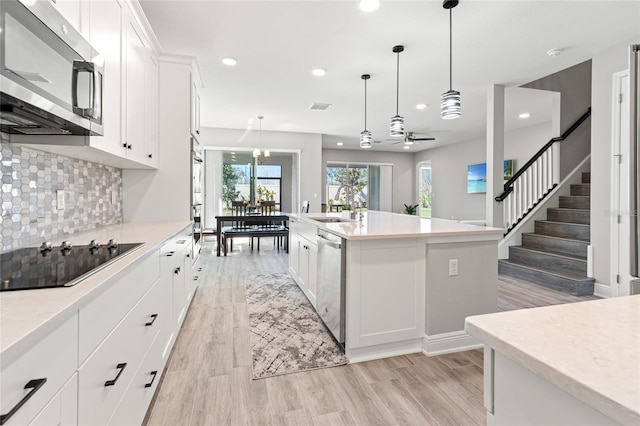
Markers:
<point>30,181</point>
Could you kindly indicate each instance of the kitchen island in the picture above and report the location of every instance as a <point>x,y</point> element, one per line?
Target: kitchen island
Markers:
<point>573,364</point>
<point>410,281</point>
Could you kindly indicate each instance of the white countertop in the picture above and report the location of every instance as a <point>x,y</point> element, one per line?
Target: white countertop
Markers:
<point>28,315</point>
<point>382,225</point>
<point>589,349</point>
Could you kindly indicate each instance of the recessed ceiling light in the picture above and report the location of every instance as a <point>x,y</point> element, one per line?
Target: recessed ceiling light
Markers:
<point>339,144</point>
<point>554,52</point>
<point>407,147</point>
<point>229,61</point>
<point>369,5</point>
<point>319,72</point>
<point>524,115</point>
<point>421,106</point>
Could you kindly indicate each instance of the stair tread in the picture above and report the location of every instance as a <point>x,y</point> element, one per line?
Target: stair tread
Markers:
<point>554,253</point>
<point>558,238</point>
<point>563,223</point>
<point>568,208</point>
<point>558,273</point>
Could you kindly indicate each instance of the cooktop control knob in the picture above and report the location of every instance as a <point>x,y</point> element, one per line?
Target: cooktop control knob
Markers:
<point>65,246</point>
<point>45,247</point>
<point>94,245</point>
<point>113,243</point>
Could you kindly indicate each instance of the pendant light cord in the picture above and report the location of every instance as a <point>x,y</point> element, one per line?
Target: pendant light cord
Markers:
<point>450,50</point>
<point>365,104</point>
<point>398,84</point>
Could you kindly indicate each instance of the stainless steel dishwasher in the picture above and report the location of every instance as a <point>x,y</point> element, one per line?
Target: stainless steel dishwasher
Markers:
<point>331,286</point>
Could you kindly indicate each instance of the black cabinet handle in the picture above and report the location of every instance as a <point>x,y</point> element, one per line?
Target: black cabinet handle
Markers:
<point>188,254</point>
<point>34,385</point>
<point>124,145</point>
<point>171,253</point>
<point>195,278</point>
<point>153,319</point>
<point>128,146</point>
<point>153,373</point>
<point>177,271</point>
<point>150,155</point>
<point>118,367</point>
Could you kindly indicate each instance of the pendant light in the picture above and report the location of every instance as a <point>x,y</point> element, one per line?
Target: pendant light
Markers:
<point>450,100</point>
<point>396,129</point>
<point>365,135</point>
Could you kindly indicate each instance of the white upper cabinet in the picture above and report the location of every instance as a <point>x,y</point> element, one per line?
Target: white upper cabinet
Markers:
<point>151,108</point>
<point>106,24</point>
<point>135,52</point>
<point>76,12</point>
<point>195,104</point>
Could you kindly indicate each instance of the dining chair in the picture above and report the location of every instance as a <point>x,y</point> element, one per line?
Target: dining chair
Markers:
<point>305,207</point>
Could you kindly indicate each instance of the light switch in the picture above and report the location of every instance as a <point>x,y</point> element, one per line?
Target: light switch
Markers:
<point>60,197</point>
<point>453,267</point>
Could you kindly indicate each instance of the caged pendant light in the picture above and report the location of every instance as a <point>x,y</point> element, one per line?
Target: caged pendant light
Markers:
<point>450,100</point>
<point>396,128</point>
<point>365,135</point>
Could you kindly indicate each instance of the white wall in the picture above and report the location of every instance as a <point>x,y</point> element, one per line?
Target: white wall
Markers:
<point>605,64</point>
<point>403,171</point>
<point>449,170</point>
<point>308,144</point>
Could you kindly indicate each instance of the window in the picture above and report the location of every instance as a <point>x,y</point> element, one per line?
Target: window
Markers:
<point>364,185</point>
<point>269,183</point>
<point>240,183</point>
<point>424,188</point>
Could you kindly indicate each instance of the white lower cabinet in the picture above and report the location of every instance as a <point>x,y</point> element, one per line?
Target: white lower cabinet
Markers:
<point>102,365</point>
<point>106,375</point>
<point>63,407</point>
<point>136,400</point>
<point>303,257</point>
<point>32,380</point>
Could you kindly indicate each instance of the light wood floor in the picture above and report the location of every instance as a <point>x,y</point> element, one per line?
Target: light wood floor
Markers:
<point>208,379</point>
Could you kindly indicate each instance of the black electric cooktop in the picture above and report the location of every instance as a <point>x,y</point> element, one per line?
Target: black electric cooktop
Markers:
<point>33,267</point>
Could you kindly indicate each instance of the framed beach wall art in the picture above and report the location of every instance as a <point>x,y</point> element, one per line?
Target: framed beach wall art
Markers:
<point>477,176</point>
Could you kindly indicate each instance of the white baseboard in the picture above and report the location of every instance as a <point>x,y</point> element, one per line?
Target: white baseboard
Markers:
<point>602,290</point>
<point>445,343</point>
<point>384,351</point>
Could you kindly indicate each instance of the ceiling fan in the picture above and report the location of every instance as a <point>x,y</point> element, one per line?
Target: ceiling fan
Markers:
<point>410,139</point>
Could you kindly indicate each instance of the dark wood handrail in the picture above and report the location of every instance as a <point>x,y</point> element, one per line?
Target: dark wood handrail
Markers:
<point>508,186</point>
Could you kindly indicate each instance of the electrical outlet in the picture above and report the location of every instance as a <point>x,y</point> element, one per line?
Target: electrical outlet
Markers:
<point>60,197</point>
<point>453,267</point>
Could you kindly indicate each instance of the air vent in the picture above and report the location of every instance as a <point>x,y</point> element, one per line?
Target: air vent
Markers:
<point>319,106</point>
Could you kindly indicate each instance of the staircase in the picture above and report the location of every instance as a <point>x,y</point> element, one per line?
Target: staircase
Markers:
<point>555,255</point>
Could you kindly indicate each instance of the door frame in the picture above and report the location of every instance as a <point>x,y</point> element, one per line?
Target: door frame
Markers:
<point>620,203</point>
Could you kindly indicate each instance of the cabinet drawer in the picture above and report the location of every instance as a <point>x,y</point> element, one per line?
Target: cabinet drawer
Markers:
<point>307,231</point>
<point>54,358</point>
<point>107,373</point>
<point>103,313</point>
<point>63,408</point>
<point>136,400</point>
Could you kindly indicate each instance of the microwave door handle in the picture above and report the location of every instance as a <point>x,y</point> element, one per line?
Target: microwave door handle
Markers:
<point>78,67</point>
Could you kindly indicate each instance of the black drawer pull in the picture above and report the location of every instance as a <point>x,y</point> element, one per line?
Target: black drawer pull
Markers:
<point>169,254</point>
<point>177,271</point>
<point>118,367</point>
<point>153,319</point>
<point>153,373</point>
<point>34,385</point>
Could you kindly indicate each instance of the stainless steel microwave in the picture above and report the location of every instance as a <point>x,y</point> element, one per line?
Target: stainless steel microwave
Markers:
<point>51,79</point>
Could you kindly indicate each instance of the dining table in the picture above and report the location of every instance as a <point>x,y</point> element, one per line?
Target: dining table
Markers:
<point>250,222</point>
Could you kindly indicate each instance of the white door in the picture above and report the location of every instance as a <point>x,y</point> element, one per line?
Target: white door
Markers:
<point>620,253</point>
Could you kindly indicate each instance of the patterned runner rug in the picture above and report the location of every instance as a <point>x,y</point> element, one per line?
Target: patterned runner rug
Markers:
<point>287,335</point>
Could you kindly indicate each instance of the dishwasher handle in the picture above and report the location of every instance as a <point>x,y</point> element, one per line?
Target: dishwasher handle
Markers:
<point>324,240</point>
